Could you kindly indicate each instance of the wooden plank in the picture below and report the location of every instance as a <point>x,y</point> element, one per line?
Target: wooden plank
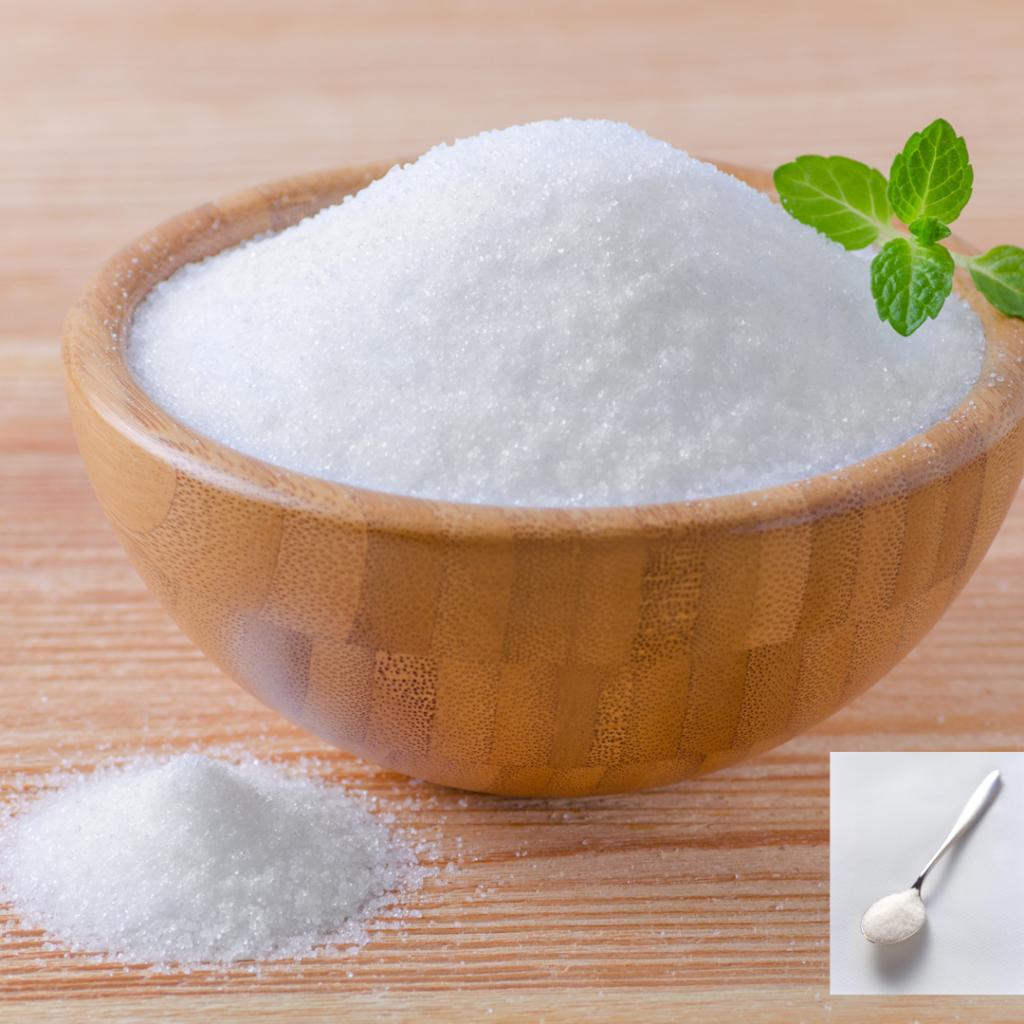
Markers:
<point>566,1005</point>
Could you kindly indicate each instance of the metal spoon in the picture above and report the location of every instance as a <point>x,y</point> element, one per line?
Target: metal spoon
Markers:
<point>897,917</point>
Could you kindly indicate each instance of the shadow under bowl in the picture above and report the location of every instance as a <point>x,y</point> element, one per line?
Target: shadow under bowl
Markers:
<point>531,651</point>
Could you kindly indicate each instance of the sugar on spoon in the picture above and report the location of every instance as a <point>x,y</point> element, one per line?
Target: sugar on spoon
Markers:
<point>897,917</point>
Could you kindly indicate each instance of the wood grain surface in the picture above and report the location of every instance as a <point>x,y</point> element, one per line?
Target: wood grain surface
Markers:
<point>708,899</point>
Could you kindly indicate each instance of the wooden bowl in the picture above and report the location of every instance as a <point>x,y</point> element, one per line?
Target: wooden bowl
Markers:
<point>525,651</point>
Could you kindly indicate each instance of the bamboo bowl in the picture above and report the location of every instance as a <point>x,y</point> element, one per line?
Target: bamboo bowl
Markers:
<point>532,652</point>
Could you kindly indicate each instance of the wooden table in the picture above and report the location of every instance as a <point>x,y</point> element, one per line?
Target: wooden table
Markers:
<point>705,899</point>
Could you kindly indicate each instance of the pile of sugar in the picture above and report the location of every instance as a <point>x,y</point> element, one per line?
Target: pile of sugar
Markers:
<point>894,918</point>
<point>197,860</point>
<point>563,313</point>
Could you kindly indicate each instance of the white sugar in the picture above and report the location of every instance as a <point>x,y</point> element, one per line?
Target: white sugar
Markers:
<point>894,918</point>
<point>197,860</point>
<point>565,313</point>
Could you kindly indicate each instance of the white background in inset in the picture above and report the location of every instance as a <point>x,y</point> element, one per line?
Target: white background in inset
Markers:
<point>890,812</point>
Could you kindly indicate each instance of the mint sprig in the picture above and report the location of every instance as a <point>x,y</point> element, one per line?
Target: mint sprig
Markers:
<point>929,185</point>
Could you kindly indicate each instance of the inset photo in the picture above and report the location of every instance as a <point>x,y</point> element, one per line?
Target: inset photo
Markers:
<point>927,893</point>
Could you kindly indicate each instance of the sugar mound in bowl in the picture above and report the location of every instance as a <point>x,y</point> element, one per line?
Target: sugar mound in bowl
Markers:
<point>560,314</point>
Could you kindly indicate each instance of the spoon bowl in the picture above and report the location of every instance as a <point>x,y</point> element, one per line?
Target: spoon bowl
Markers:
<point>894,918</point>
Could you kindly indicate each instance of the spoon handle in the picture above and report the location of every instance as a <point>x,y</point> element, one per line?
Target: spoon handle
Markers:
<point>970,814</point>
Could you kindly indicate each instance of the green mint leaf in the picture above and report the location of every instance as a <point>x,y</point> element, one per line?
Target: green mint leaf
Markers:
<point>910,282</point>
<point>932,177</point>
<point>999,276</point>
<point>929,230</point>
<point>842,198</point>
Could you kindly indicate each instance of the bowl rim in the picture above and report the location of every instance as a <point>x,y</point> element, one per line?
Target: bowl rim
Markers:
<point>97,327</point>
